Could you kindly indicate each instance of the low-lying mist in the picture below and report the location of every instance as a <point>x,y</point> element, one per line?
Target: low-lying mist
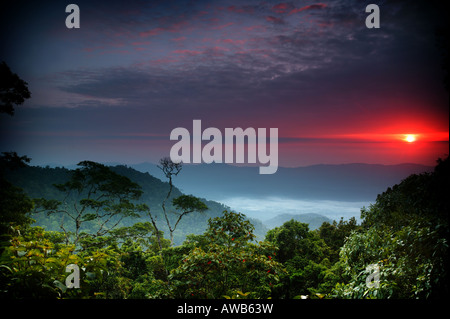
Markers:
<point>266,208</point>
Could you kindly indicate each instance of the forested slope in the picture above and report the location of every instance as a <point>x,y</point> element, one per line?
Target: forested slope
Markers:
<point>38,182</point>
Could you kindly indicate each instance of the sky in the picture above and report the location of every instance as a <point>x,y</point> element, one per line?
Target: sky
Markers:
<point>338,92</point>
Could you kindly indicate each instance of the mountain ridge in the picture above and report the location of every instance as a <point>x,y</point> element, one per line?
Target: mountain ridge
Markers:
<point>313,220</point>
<point>38,182</point>
<point>345,182</point>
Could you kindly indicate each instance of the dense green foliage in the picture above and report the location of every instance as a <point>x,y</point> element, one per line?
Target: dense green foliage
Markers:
<point>404,235</point>
<point>223,261</point>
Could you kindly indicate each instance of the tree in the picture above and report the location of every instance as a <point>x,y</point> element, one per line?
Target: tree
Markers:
<point>34,266</point>
<point>185,203</point>
<point>301,251</point>
<point>292,238</point>
<point>13,90</point>
<point>15,205</point>
<point>334,235</point>
<point>223,262</point>
<point>142,234</point>
<point>405,234</point>
<point>102,199</point>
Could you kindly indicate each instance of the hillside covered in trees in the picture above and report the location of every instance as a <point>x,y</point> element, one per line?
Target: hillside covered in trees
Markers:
<point>39,182</point>
<point>132,236</point>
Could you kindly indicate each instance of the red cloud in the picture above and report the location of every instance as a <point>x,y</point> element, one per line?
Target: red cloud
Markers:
<point>274,20</point>
<point>310,7</point>
<point>163,61</point>
<point>236,42</point>
<point>255,28</point>
<point>220,27</point>
<point>151,32</point>
<point>140,43</point>
<point>188,52</point>
<point>179,39</point>
<point>217,51</point>
<point>281,7</point>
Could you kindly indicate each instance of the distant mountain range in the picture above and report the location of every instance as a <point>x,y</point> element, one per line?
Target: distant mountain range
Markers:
<point>314,220</point>
<point>346,182</point>
<point>311,194</point>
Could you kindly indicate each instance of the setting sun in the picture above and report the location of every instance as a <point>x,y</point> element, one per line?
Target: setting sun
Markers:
<point>410,138</point>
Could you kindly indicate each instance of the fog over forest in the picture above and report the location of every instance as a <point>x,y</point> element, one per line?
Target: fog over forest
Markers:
<point>333,191</point>
<point>266,208</point>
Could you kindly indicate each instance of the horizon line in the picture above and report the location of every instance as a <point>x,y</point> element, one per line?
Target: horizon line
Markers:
<point>113,164</point>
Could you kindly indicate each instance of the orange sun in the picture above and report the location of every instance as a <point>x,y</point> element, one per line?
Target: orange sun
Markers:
<point>410,138</point>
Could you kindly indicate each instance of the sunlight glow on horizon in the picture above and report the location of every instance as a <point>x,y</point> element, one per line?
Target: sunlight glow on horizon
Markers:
<point>382,137</point>
<point>410,138</point>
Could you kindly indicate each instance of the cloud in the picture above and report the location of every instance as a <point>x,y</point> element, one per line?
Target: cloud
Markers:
<point>274,20</point>
<point>309,7</point>
<point>290,68</point>
<point>163,61</point>
<point>222,26</point>
<point>266,208</point>
<point>151,32</point>
<point>177,26</point>
<point>282,7</point>
<point>291,60</point>
<point>233,41</point>
<point>262,64</point>
<point>141,43</point>
<point>241,9</point>
<point>180,39</point>
<point>188,52</point>
<point>252,28</point>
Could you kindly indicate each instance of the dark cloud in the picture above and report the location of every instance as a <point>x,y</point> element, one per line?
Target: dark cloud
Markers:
<point>307,62</point>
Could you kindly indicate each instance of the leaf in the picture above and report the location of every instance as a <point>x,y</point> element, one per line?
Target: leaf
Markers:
<point>51,260</point>
<point>90,275</point>
<point>60,285</point>
<point>6,267</point>
<point>243,294</point>
<point>189,203</point>
<point>89,217</point>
